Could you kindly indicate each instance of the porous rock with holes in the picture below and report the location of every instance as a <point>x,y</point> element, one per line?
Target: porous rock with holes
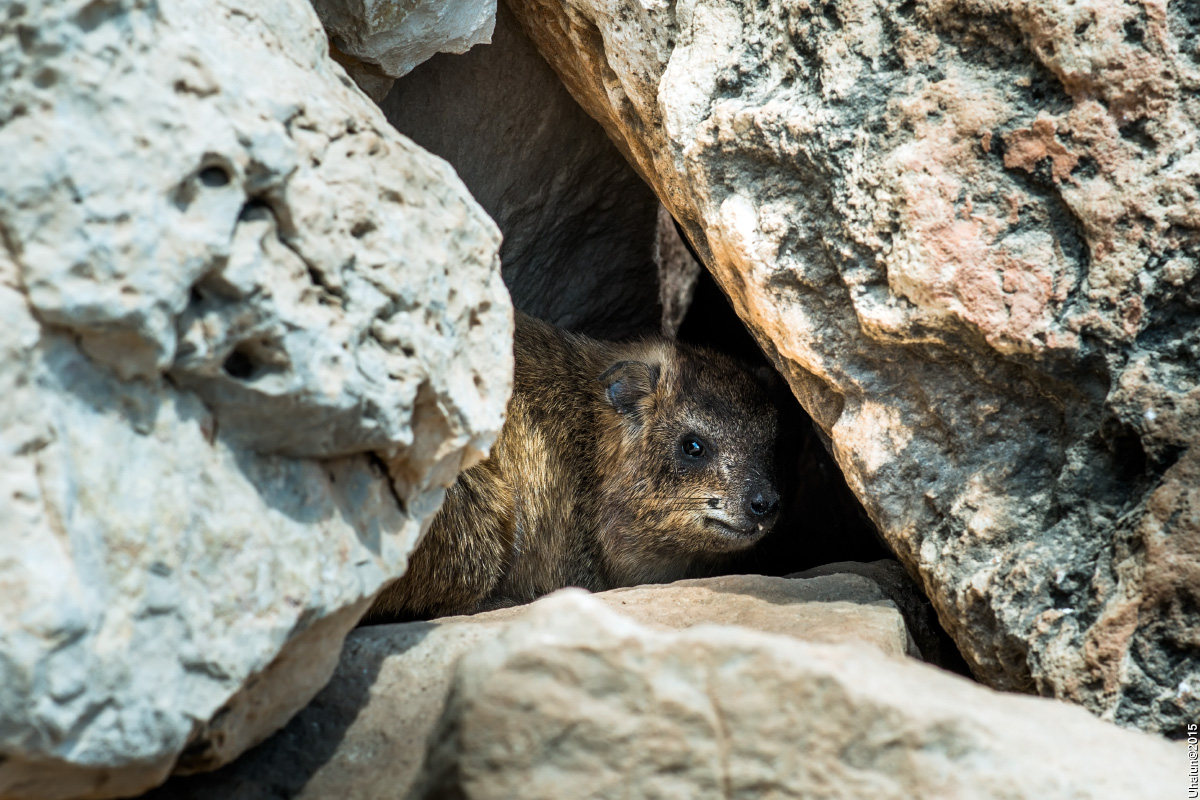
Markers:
<point>249,335</point>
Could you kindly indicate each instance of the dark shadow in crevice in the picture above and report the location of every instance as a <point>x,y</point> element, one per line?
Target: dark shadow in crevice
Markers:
<point>281,767</point>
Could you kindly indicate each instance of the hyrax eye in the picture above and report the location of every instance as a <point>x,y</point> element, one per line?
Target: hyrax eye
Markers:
<point>692,447</point>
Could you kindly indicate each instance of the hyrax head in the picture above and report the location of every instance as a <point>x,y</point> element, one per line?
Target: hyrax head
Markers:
<point>695,473</point>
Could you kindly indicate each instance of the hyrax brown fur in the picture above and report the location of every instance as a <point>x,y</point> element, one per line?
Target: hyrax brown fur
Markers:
<point>618,464</point>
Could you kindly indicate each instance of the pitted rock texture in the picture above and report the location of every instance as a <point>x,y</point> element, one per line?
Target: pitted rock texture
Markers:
<point>231,307</point>
<point>576,701</point>
<point>581,229</point>
<point>966,231</point>
<point>364,736</point>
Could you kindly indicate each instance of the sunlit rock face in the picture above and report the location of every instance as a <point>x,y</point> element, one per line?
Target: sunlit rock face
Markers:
<point>967,234</point>
<point>398,36</point>
<point>575,700</point>
<point>380,40</point>
<point>232,307</point>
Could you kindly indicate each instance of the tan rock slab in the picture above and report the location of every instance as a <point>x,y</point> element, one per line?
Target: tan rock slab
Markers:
<point>575,701</point>
<point>935,645</point>
<point>364,736</point>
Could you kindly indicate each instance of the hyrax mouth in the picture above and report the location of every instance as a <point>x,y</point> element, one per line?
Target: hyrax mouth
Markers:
<point>750,530</point>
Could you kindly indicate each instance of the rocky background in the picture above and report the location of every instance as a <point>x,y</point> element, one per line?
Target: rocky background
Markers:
<point>257,266</point>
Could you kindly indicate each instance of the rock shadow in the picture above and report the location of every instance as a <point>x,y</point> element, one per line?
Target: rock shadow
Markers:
<point>281,767</point>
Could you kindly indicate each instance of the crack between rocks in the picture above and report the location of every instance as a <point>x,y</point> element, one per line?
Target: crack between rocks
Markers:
<point>376,460</point>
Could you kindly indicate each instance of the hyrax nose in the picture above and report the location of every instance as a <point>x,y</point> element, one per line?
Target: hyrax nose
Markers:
<point>764,503</point>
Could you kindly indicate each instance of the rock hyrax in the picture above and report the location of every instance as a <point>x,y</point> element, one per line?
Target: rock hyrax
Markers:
<point>619,464</point>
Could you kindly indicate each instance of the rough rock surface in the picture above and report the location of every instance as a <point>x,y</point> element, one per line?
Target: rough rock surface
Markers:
<point>364,735</point>
<point>931,640</point>
<point>218,295</point>
<point>581,229</point>
<point>833,608</point>
<point>575,701</point>
<point>966,231</point>
<point>397,36</point>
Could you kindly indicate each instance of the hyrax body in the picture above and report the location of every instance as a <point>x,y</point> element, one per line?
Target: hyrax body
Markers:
<point>618,464</point>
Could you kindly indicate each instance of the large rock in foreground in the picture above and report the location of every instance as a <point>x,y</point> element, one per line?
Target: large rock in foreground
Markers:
<point>364,736</point>
<point>230,306</point>
<point>576,701</point>
<point>967,231</point>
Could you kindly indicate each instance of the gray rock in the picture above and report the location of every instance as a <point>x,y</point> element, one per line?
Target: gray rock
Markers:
<point>231,307</point>
<point>581,229</point>
<point>576,701</point>
<point>364,735</point>
<point>396,36</point>
<point>967,234</point>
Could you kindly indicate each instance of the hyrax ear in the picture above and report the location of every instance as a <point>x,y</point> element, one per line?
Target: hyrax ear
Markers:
<point>627,383</point>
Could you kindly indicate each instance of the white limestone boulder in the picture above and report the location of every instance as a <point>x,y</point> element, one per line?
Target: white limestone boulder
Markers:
<point>233,301</point>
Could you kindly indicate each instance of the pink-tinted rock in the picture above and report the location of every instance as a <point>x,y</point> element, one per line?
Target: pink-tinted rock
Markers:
<point>967,233</point>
